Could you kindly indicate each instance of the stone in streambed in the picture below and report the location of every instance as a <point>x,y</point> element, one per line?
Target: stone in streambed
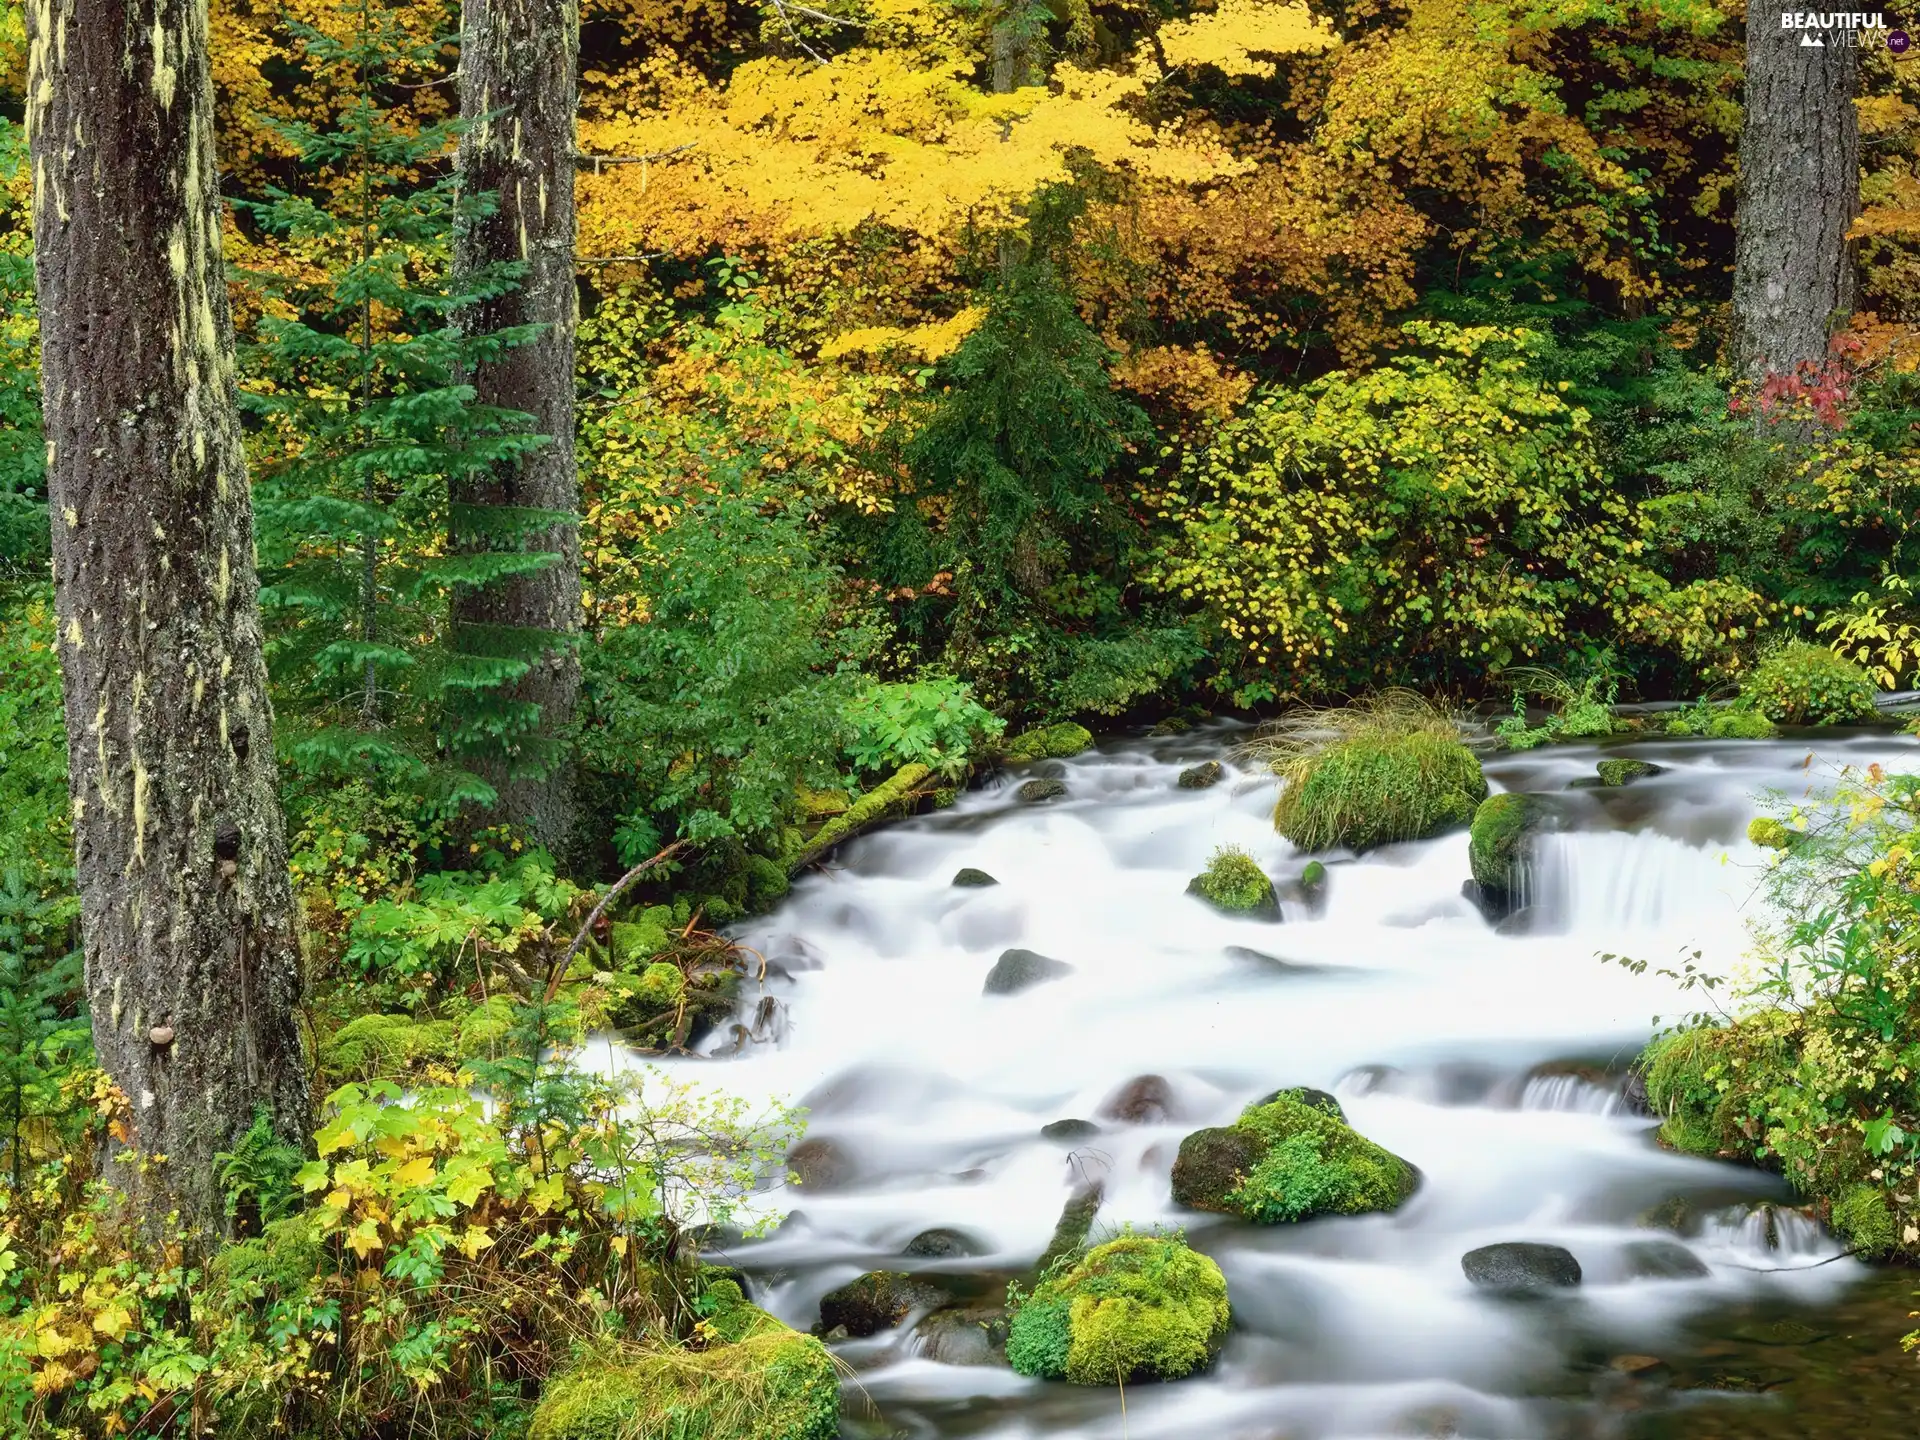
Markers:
<point>1521,1267</point>
<point>943,1244</point>
<point>1203,776</point>
<point>822,1164</point>
<point>1500,840</point>
<point>1286,1160</point>
<point>1321,1100</point>
<point>1143,1100</point>
<point>1018,970</point>
<point>968,878</point>
<point>1662,1260</point>
<point>964,1335</point>
<point>1033,792</point>
<point>1234,884</point>
<point>876,1301</point>
<point>1069,1132</point>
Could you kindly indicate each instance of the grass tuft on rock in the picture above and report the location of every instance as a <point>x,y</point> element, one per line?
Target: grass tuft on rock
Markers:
<point>768,1383</point>
<point>1234,882</point>
<point>1141,1307</point>
<point>1047,742</point>
<point>1385,769</point>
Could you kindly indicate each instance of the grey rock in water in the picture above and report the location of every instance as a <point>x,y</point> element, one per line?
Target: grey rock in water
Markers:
<point>1519,1267</point>
<point>968,878</point>
<point>1143,1100</point>
<point>1018,970</point>
<point>822,1164</point>
<point>942,1244</point>
<point>1203,776</point>
<point>1313,1099</point>
<point>875,1302</point>
<point>965,1335</point>
<point>1069,1132</point>
<point>1035,791</point>
<point>1662,1260</point>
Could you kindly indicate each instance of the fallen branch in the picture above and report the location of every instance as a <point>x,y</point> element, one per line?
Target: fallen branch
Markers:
<point>888,800</point>
<point>566,961</point>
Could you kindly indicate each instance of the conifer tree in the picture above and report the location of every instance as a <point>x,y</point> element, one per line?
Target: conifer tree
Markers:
<point>356,374</point>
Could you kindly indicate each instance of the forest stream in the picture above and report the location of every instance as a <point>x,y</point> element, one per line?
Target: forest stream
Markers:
<point>1493,1058</point>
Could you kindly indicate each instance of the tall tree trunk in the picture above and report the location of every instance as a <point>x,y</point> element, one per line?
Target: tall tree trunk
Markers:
<point>519,89</point>
<point>1799,193</point>
<point>192,968</point>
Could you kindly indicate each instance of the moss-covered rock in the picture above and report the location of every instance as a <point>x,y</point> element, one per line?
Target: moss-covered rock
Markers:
<point>968,878</point>
<point>370,1047</point>
<point>1137,1308</point>
<point>1313,877</point>
<point>1235,885</point>
<point>1497,848</point>
<point>638,998</point>
<point>1287,1160</point>
<point>1737,722</point>
<point>1018,970</point>
<point>768,1383</point>
<point>1803,684</point>
<point>1613,773</point>
<point>1035,791</point>
<point>646,933</point>
<point>767,882</point>
<point>1047,742</point>
<point>1203,776</point>
<point>1376,789</point>
<point>1863,1218</point>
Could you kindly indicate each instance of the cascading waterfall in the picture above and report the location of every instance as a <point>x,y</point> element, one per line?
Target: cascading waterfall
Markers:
<point>1481,1055</point>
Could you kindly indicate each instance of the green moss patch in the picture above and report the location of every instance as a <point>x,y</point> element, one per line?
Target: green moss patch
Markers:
<point>771,1383</point>
<point>1288,1160</point>
<point>1137,1308</point>
<point>1047,742</point>
<point>1706,1083</point>
<point>1235,884</point>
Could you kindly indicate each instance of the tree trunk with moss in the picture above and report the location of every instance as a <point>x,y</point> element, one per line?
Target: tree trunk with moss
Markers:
<point>192,969</point>
<point>1799,193</point>
<point>519,90</point>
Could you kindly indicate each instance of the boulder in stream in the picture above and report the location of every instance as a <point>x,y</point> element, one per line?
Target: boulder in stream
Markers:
<point>1203,776</point>
<point>1662,1260</point>
<point>1287,1159</point>
<point>968,878</point>
<point>965,1335</point>
<point>876,1301</point>
<point>941,1243</point>
<point>1018,970</point>
<point>822,1164</point>
<point>1613,773</point>
<point>1143,1100</point>
<point>1521,1267</point>
<point>1033,792</point>
<point>1069,1132</point>
<point>1142,1307</point>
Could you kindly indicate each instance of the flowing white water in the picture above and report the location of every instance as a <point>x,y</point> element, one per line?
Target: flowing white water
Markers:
<point>1396,993</point>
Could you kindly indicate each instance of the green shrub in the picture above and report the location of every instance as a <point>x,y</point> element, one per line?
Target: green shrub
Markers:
<point>1585,710</point>
<point>1706,1083</point>
<point>1142,1307</point>
<point>1392,768</point>
<point>1770,834</point>
<point>1735,721</point>
<point>1288,1160</point>
<point>1803,684</point>
<point>1235,883</point>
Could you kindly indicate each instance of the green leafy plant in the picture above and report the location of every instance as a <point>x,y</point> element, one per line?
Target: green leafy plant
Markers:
<point>1584,708</point>
<point>934,722</point>
<point>44,1034</point>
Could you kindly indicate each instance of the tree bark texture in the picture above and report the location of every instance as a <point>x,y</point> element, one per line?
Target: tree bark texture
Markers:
<point>519,91</point>
<point>192,966</point>
<point>1799,193</point>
